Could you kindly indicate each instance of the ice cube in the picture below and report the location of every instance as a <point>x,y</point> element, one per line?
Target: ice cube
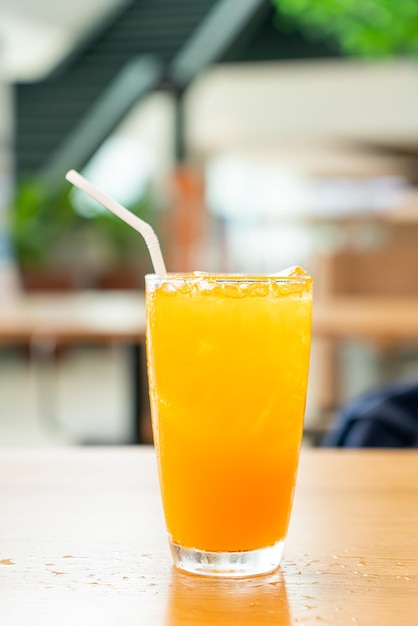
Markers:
<point>295,271</point>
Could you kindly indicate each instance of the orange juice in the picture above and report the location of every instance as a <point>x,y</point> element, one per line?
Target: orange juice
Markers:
<point>228,367</point>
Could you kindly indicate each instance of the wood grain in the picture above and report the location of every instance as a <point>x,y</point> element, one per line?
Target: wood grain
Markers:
<point>371,318</point>
<point>74,317</point>
<point>82,541</point>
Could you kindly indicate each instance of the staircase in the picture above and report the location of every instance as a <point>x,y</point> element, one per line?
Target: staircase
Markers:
<point>62,120</point>
<point>49,111</point>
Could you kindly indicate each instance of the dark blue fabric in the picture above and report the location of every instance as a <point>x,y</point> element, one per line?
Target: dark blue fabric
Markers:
<point>386,417</point>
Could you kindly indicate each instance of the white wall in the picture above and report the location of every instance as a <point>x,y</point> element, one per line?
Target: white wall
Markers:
<point>39,34</point>
<point>252,104</point>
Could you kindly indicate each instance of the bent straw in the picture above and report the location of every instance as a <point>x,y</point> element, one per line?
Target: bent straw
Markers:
<point>143,228</point>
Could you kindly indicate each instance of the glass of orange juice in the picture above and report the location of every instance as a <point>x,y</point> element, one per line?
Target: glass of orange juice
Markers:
<point>228,359</point>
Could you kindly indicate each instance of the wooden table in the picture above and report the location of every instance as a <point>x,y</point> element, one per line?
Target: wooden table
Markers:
<point>74,318</point>
<point>95,316</point>
<point>82,541</point>
<point>372,318</point>
<point>120,316</point>
<point>387,323</point>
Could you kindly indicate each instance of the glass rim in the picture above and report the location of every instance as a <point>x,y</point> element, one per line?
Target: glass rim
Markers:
<point>226,277</point>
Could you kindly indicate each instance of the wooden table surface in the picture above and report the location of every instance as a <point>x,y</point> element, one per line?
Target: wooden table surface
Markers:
<point>120,315</point>
<point>370,318</point>
<point>74,317</point>
<point>82,541</point>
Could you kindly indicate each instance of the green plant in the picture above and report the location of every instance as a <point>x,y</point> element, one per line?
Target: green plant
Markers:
<point>122,241</point>
<point>42,226</point>
<point>377,28</point>
<point>38,221</point>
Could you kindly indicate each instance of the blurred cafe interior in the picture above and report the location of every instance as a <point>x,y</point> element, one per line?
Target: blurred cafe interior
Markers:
<point>253,136</point>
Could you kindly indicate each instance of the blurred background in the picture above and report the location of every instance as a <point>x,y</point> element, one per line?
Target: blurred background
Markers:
<point>252,135</point>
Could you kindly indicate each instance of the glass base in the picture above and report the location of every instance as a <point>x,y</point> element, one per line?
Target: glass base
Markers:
<point>227,564</point>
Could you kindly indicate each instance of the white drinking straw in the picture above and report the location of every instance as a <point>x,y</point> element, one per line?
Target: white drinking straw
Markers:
<point>127,216</point>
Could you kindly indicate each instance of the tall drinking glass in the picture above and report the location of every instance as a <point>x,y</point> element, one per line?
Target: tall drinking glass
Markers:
<point>228,359</point>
